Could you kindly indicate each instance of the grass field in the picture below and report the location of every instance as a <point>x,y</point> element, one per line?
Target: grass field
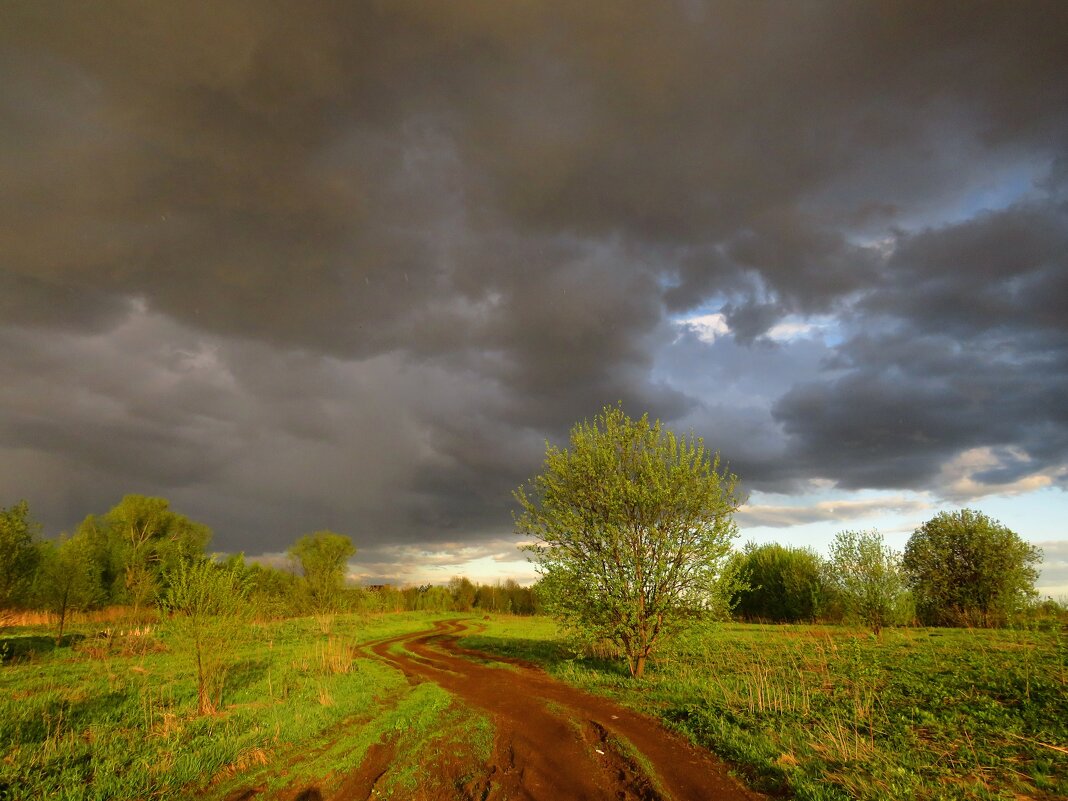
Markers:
<point>832,713</point>
<point>116,718</point>
<point>815,712</point>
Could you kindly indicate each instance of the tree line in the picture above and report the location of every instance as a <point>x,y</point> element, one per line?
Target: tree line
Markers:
<point>959,568</point>
<point>144,556</point>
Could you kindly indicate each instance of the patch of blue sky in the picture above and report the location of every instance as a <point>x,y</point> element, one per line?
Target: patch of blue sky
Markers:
<point>1015,186</point>
<point>705,362</point>
<point>1037,516</point>
<point>999,188</point>
<point>709,323</point>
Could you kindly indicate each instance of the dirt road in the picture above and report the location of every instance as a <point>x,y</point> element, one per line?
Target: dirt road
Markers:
<point>553,742</point>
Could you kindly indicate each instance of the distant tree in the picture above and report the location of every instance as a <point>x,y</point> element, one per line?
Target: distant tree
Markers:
<point>632,529</point>
<point>388,599</point>
<point>106,550</point>
<point>274,594</point>
<point>869,578</point>
<point>207,606</point>
<point>68,579</point>
<point>785,584</point>
<point>152,541</point>
<point>322,557</point>
<point>463,593</point>
<point>967,569</point>
<point>18,555</point>
<point>506,597</point>
<point>431,598</point>
<point>520,598</point>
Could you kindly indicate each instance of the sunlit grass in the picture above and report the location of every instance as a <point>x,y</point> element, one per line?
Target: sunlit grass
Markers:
<point>819,712</point>
<point>116,718</point>
<point>827,712</point>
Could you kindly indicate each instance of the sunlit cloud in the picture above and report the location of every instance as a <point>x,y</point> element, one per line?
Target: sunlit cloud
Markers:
<point>706,327</point>
<point>826,511</point>
<point>980,472</point>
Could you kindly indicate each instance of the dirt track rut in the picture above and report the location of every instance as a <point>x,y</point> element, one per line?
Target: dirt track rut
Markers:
<point>553,741</point>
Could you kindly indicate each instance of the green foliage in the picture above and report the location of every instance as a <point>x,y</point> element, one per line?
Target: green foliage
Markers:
<point>207,606</point>
<point>463,593</point>
<point>785,584</point>
<point>107,553</point>
<point>632,528</point>
<point>869,578</point>
<point>273,594</point>
<point>18,555</point>
<point>506,597</point>
<point>967,569</point>
<point>150,541</point>
<point>68,579</point>
<point>322,557</point>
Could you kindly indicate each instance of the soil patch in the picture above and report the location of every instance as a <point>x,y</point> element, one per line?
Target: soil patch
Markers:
<point>554,741</point>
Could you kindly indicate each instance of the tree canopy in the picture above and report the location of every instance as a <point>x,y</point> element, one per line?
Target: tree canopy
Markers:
<point>783,583</point>
<point>68,578</point>
<point>322,557</point>
<point>869,578</point>
<point>18,554</point>
<point>631,528</point>
<point>151,541</point>
<point>967,569</point>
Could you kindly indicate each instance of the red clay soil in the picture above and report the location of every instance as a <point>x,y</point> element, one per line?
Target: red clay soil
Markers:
<point>553,741</point>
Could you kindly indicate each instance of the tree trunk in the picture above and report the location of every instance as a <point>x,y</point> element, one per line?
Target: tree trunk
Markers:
<point>59,632</point>
<point>639,667</point>
<point>62,612</point>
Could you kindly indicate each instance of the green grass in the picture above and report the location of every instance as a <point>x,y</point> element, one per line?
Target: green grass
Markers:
<point>818,713</point>
<point>117,719</point>
<point>832,713</point>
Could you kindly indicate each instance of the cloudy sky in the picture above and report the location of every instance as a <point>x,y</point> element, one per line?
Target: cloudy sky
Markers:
<point>349,265</point>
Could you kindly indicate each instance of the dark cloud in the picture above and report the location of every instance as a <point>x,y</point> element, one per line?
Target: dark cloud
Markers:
<point>1004,270</point>
<point>905,404</point>
<point>298,265</point>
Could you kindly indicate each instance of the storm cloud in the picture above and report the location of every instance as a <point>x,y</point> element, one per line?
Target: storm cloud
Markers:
<point>349,265</point>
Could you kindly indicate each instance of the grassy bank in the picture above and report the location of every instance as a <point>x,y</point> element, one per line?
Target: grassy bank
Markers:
<point>832,713</point>
<point>115,717</point>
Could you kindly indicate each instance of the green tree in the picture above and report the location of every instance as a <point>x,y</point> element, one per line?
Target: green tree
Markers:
<point>273,594</point>
<point>429,598</point>
<point>463,593</point>
<point>68,579</point>
<point>152,541</point>
<point>106,550</point>
<point>520,599</point>
<point>785,584</point>
<point>631,528</point>
<point>322,557</point>
<point>207,607</point>
<point>18,555</point>
<point>967,569</point>
<point>870,579</point>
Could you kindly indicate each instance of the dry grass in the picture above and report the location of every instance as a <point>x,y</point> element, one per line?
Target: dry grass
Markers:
<point>335,656</point>
<point>112,615</point>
